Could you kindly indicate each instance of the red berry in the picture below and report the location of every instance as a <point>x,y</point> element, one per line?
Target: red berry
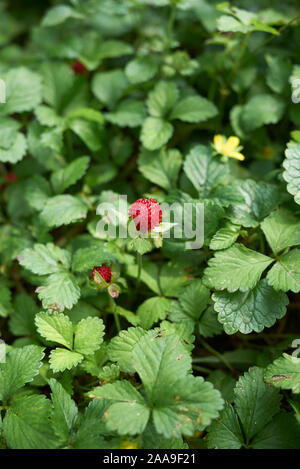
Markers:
<point>104,270</point>
<point>10,177</point>
<point>146,214</point>
<point>78,67</point>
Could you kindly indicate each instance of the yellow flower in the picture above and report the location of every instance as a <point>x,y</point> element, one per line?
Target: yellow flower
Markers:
<point>228,147</point>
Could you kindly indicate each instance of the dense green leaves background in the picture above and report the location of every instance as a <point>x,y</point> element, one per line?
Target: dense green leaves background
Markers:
<point>105,99</point>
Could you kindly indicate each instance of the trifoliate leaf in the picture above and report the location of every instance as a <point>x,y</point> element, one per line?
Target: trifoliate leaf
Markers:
<point>88,335</point>
<point>45,259</point>
<point>22,364</point>
<point>252,310</point>
<point>63,210</point>
<point>22,316</point>
<point>222,270</point>
<point>284,373</point>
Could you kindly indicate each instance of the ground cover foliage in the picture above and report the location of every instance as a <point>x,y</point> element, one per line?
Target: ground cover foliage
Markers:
<point>187,101</point>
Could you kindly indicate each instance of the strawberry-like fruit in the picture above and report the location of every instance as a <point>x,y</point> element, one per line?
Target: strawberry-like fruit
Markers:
<point>10,177</point>
<point>146,214</point>
<point>78,67</point>
<point>103,270</point>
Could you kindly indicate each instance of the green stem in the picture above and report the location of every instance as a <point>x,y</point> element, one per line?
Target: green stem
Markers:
<point>170,27</point>
<point>140,265</point>
<point>114,310</point>
<point>216,353</point>
<point>239,57</point>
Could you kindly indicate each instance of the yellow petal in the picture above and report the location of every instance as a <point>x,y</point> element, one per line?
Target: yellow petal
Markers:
<point>237,155</point>
<point>219,143</point>
<point>231,144</point>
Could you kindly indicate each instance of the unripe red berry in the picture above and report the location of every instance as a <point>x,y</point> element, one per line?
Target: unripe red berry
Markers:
<point>103,270</point>
<point>146,214</point>
<point>78,67</point>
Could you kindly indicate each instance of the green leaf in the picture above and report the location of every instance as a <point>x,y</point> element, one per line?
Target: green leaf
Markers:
<point>63,210</point>
<point>285,274</point>
<point>278,73</point>
<point>155,133</point>
<point>64,413</point>
<point>153,310</point>
<point>37,191</point>
<point>45,259</point>
<point>221,273</point>
<point>161,167</point>
<point>55,327</point>
<point>129,415</point>
<point>248,201</point>
<point>140,70</point>
<point>160,363</point>
<point>203,169</point>
<point>86,258</point>
<point>9,131</point>
<point>192,302</point>
<point>88,131</point>
<point>255,402</point>
<point>88,335</point>
<point>284,373</point>
<point>226,431</point>
<point>283,432</point>
<point>59,14</point>
<point>208,324</point>
<point>16,152</point>
<point>23,90</point>
<point>22,316</point>
<point>92,428</point>
<point>194,109</point>
<point>250,311</point>
<point>291,174</point>
<point>282,230</point>
<point>120,348</point>
<point>5,300</point>
<point>26,423</point>
<point>66,177</point>
<point>62,359</point>
<point>21,366</point>
<point>225,237</point>
<point>162,99</point>
<point>109,87</point>
<point>129,113</point>
<point>61,291</point>
<point>260,110</point>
